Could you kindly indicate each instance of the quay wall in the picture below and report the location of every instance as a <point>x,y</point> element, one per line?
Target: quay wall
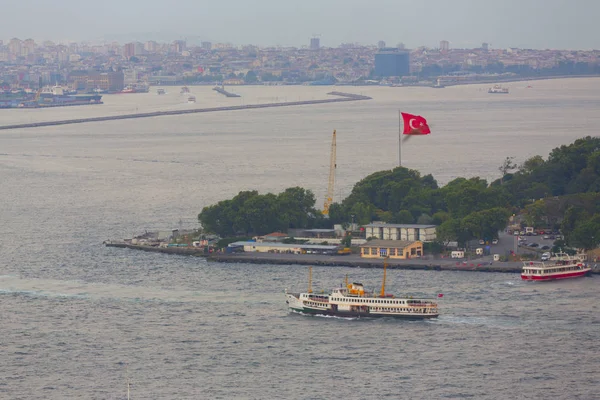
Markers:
<point>344,97</point>
<point>328,260</point>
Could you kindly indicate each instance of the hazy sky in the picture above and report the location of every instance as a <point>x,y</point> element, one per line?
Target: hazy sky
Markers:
<point>557,24</point>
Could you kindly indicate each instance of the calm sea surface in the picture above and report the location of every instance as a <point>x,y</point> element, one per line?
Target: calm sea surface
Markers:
<point>73,312</point>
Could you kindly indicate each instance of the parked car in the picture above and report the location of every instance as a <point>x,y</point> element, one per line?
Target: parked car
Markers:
<point>546,237</point>
<point>534,245</point>
<point>481,241</point>
<point>495,241</point>
<point>545,247</point>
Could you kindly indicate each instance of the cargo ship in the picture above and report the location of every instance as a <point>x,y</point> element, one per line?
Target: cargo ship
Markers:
<point>55,96</point>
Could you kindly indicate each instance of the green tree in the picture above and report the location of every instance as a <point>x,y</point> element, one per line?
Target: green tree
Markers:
<point>507,166</point>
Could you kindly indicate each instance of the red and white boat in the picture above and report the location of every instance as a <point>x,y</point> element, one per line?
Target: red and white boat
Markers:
<point>561,266</point>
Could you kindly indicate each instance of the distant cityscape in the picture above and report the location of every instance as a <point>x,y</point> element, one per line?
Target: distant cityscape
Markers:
<point>111,67</point>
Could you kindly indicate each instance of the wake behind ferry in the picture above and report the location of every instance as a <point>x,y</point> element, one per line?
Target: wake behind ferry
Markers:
<point>353,301</point>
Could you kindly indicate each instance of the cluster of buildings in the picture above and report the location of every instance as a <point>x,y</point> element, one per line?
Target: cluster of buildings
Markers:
<point>376,240</point>
<point>27,63</point>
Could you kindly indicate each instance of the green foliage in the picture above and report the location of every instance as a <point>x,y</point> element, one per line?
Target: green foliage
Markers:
<point>252,213</point>
<point>347,240</point>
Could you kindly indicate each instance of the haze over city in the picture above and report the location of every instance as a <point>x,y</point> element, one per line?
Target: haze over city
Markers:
<point>539,24</point>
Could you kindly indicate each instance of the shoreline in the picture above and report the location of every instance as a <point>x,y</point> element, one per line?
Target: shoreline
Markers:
<point>353,261</point>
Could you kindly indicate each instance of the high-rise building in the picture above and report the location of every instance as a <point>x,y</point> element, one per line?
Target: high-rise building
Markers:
<point>400,46</point>
<point>485,46</point>
<point>380,44</point>
<point>129,50</point>
<point>150,46</point>
<point>206,46</point>
<point>392,62</point>
<point>444,46</point>
<point>315,43</point>
<point>89,80</point>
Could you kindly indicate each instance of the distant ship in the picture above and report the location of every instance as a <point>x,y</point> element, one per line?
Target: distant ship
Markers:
<point>160,91</point>
<point>438,85</point>
<point>135,89</point>
<point>498,89</point>
<point>192,99</point>
<point>185,90</point>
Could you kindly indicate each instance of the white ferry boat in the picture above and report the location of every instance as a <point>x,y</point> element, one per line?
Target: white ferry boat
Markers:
<point>498,89</point>
<point>353,301</point>
<point>561,266</point>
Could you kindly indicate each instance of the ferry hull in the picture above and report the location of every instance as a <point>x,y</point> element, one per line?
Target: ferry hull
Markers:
<point>575,274</point>
<point>349,314</point>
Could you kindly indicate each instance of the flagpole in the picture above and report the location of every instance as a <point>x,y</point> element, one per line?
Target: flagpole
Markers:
<point>399,139</point>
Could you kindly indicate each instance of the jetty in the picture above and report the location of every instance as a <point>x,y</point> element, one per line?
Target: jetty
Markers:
<point>221,89</point>
<point>353,261</point>
<point>341,97</point>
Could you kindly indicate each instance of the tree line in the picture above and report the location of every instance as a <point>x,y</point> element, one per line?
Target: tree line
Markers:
<point>463,209</point>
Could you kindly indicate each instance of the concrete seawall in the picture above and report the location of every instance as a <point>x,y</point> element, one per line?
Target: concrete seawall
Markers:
<point>330,261</point>
<point>343,97</point>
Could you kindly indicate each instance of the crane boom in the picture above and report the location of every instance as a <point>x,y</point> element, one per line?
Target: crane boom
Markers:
<point>332,168</point>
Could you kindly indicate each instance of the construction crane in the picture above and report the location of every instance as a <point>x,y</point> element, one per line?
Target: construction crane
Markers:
<point>332,167</point>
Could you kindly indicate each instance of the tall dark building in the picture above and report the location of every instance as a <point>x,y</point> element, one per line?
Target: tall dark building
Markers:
<point>392,62</point>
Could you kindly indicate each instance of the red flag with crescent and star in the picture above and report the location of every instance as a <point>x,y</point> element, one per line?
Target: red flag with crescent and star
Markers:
<point>415,125</point>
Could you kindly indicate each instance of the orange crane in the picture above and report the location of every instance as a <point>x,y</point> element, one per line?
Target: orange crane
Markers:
<point>330,186</point>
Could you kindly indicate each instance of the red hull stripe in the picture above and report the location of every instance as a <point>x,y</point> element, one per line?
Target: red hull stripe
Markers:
<point>554,276</point>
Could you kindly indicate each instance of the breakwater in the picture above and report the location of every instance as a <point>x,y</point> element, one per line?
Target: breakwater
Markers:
<point>220,89</point>
<point>342,97</point>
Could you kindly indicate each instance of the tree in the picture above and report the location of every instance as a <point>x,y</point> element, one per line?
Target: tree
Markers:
<point>347,240</point>
<point>251,77</point>
<point>507,166</point>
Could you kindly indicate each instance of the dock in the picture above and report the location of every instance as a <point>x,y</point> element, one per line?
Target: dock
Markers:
<point>221,89</point>
<point>341,97</point>
<point>352,261</point>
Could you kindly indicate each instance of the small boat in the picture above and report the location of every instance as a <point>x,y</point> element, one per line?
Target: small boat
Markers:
<point>353,301</point>
<point>160,91</point>
<point>498,89</point>
<point>561,266</point>
<point>185,90</point>
<point>192,99</point>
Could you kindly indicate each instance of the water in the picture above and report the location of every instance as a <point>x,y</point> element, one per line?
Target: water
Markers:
<point>73,312</point>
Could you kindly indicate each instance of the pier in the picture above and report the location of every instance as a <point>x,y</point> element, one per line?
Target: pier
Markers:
<point>221,89</point>
<point>354,261</point>
<point>342,97</point>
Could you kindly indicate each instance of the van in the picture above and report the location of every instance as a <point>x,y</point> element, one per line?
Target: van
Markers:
<point>545,256</point>
<point>458,254</point>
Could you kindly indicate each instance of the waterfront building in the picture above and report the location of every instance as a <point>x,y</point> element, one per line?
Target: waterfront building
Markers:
<point>410,232</point>
<point>381,44</point>
<point>396,249</point>
<point>90,80</point>
<point>392,62</point>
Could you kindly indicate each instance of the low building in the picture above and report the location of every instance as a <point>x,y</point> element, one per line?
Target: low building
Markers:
<point>397,249</point>
<point>274,237</point>
<point>410,232</point>
<point>265,247</point>
<point>313,233</point>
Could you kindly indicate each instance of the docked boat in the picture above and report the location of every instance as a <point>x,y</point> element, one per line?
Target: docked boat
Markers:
<point>561,266</point>
<point>354,301</point>
<point>137,88</point>
<point>498,89</point>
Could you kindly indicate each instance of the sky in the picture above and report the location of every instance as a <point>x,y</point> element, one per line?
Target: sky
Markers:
<point>537,24</point>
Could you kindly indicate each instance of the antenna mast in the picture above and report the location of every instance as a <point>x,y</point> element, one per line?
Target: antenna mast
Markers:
<point>382,294</point>
<point>332,168</point>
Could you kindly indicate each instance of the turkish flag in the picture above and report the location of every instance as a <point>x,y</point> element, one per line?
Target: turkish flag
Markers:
<point>440,295</point>
<point>415,125</point>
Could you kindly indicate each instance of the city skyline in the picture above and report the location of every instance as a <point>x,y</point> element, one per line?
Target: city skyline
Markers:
<point>531,24</point>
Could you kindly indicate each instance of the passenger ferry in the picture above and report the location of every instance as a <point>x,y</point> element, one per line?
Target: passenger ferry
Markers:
<point>353,301</point>
<point>561,266</point>
<point>498,89</point>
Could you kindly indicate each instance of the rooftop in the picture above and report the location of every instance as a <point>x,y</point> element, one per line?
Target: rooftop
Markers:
<point>285,245</point>
<point>395,244</point>
<point>406,226</point>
